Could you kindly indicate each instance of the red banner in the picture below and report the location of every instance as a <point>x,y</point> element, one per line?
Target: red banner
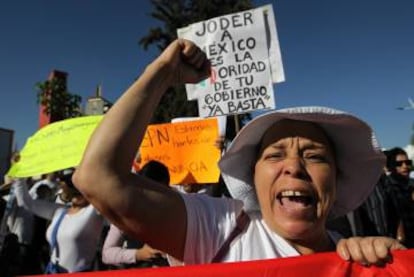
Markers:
<point>323,264</point>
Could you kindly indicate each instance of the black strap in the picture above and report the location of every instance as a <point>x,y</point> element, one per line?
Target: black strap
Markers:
<point>242,222</point>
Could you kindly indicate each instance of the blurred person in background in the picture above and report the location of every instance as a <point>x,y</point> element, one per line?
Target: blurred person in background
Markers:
<point>22,251</point>
<point>73,234</point>
<point>400,187</point>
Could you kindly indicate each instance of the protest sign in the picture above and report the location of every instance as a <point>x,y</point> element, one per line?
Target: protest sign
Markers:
<point>55,147</point>
<point>221,121</point>
<point>275,57</point>
<point>186,148</point>
<point>237,46</point>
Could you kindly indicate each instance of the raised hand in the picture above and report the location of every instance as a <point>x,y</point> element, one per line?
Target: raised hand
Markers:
<point>186,61</point>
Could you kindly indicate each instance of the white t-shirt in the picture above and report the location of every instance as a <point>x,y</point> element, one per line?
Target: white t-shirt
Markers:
<point>210,222</point>
<point>78,237</point>
<point>78,234</point>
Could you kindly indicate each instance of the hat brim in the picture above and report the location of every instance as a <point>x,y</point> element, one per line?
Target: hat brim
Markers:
<point>358,156</point>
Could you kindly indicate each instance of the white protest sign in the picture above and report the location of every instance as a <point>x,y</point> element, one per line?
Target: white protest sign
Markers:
<point>275,57</point>
<point>237,48</point>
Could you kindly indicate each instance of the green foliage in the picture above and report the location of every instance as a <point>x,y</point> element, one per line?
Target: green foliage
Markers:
<point>175,14</point>
<point>58,102</point>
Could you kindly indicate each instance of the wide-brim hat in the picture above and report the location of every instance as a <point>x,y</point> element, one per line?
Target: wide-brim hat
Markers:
<point>358,155</point>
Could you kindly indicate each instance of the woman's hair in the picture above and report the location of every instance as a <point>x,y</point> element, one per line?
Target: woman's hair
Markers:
<point>156,171</point>
<point>66,176</point>
<point>392,156</point>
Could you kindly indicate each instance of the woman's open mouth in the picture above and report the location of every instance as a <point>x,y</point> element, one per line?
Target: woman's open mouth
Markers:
<point>299,197</point>
<point>297,203</point>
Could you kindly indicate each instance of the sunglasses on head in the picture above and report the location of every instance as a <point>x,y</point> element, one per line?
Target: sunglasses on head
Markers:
<point>406,162</point>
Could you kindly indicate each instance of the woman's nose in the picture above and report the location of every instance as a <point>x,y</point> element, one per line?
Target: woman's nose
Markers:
<point>295,167</point>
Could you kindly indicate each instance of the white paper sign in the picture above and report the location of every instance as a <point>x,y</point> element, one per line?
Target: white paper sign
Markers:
<point>237,48</point>
<point>275,57</point>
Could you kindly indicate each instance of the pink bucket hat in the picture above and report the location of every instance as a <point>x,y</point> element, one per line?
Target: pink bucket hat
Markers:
<point>358,155</point>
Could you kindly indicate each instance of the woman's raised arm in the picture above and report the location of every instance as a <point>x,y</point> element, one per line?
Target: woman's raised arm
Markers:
<point>139,206</point>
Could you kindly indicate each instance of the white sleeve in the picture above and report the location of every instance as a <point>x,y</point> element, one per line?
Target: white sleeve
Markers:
<point>210,221</point>
<point>42,208</point>
<point>112,250</point>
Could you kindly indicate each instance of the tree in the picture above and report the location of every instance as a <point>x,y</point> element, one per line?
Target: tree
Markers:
<point>176,14</point>
<point>58,102</point>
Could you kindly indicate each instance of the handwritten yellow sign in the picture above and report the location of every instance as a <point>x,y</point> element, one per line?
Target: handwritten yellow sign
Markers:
<point>186,148</point>
<point>55,147</point>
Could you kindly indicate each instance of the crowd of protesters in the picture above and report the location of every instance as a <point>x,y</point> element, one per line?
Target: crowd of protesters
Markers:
<point>29,207</point>
<point>49,227</point>
<point>81,226</point>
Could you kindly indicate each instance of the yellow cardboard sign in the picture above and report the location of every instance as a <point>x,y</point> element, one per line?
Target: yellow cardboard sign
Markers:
<point>186,148</point>
<point>55,147</point>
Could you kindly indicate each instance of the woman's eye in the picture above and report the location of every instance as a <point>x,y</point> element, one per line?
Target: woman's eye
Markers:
<point>316,157</point>
<point>274,155</point>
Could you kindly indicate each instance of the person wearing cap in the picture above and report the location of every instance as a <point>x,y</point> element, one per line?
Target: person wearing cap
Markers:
<point>77,225</point>
<point>288,171</point>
